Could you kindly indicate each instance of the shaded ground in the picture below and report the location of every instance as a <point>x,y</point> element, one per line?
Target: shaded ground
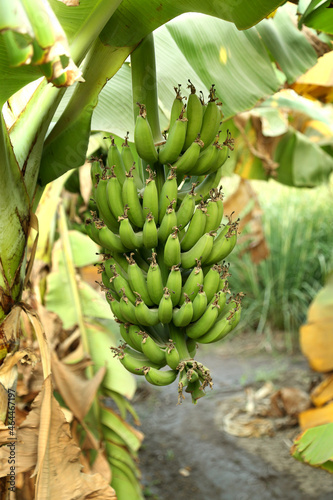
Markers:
<point>218,465</point>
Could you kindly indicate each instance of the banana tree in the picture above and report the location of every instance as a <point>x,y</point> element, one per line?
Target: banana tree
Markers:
<point>45,48</point>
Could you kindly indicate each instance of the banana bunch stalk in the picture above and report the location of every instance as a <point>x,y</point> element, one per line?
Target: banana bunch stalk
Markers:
<point>165,243</point>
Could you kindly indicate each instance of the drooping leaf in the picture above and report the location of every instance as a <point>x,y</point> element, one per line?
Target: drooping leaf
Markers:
<point>59,299</point>
<point>71,386</point>
<point>111,420</point>
<point>117,378</point>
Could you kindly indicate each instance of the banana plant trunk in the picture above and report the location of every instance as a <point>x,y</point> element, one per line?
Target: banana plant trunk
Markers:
<point>15,223</point>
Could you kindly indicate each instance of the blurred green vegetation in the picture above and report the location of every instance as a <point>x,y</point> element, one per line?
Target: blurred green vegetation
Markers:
<point>298,227</point>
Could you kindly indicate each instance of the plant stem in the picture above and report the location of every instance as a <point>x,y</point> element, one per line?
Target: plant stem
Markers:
<point>144,83</point>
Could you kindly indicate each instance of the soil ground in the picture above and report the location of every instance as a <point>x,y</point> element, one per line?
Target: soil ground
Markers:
<point>186,454</point>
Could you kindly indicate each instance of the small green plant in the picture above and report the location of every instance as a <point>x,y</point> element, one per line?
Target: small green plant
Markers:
<point>298,231</point>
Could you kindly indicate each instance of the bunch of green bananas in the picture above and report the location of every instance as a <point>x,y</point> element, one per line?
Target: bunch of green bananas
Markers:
<point>159,221</point>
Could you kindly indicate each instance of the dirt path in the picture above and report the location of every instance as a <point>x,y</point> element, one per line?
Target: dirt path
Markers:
<point>188,439</point>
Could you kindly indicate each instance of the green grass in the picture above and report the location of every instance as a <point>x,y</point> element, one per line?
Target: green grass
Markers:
<point>298,226</point>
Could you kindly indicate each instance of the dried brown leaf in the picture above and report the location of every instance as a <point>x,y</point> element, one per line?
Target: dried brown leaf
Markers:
<point>77,392</point>
<point>289,401</point>
<point>10,328</point>
<point>101,466</point>
<point>45,444</point>
<point>5,433</point>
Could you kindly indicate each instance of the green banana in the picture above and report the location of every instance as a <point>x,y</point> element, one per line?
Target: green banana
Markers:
<point>194,115</point>
<point>213,213</point>
<point>152,350</point>
<point>144,315</point>
<point>211,120</point>
<point>186,210</point>
<point>212,281</point>
<point>143,137</point>
<point>219,202</point>
<point>223,246</point>
<point>128,338</point>
<point>177,106</point>
<point>92,231</point>
<point>221,297</point>
<point>128,161</point>
<point>119,261</point>
<point>192,347</point>
<point>159,377</point>
<point>149,232</point>
<point>128,236</point>
<point>221,157</point>
<point>106,280</point>
<point>127,309</point>
<point>169,221</point>
<point>114,160</point>
<point>195,229</point>
<point>109,240</point>
<point>96,170</point>
<point>137,280</point>
<point>206,161</point>
<point>120,283</point>
<point>150,196</point>
<point>223,325</point>
<point>115,307</point>
<point>165,307</point>
<point>172,356</point>
<point>199,304</point>
<point>210,181</point>
<point>135,362</point>
<point>223,152</point>
<point>130,198</point>
<point>134,333</point>
<point>168,192</point>
<point>203,324</point>
<point>191,285</point>
<point>187,160</point>
<point>154,281</point>
<point>102,204</point>
<point>174,284</point>
<point>114,195</point>
<point>175,141</point>
<point>172,254</point>
<point>202,248</point>
<point>182,316</point>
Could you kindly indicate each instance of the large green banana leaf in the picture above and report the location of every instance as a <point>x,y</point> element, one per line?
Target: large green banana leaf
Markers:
<point>226,58</point>
<point>131,21</point>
